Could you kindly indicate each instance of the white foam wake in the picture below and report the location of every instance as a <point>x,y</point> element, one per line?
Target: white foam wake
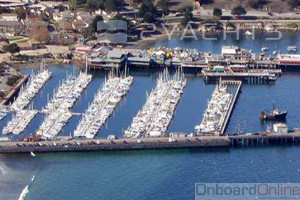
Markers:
<point>24,193</point>
<point>26,189</point>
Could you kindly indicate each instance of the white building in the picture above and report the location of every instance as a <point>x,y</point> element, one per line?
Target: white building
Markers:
<point>280,128</point>
<point>9,17</point>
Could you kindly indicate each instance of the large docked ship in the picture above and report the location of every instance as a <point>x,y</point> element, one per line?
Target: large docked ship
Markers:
<point>275,114</point>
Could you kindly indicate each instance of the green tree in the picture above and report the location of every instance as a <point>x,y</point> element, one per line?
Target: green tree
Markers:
<point>164,5</point>
<point>73,4</point>
<point>188,16</point>
<point>217,12</point>
<point>136,1</point>
<point>149,17</point>
<point>93,5</point>
<point>92,28</point>
<point>44,17</point>
<point>12,80</point>
<point>12,48</point>
<point>21,13</point>
<point>107,5</point>
<point>257,4</point>
<point>293,3</point>
<point>147,6</point>
<point>238,11</point>
<point>2,94</point>
<point>61,8</point>
<point>120,17</point>
<point>205,2</point>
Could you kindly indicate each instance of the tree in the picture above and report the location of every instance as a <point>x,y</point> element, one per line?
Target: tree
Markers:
<point>41,35</point>
<point>238,11</point>
<point>44,17</point>
<point>61,8</point>
<point>257,4</point>
<point>206,2</point>
<point>164,5</point>
<point>73,4</point>
<point>136,1</point>
<point>147,6</point>
<point>121,18</point>
<point>93,5</point>
<point>107,5</point>
<point>113,5</point>
<point>148,17</point>
<point>293,3</point>
<point>2,94</point>
<point>92,28</point>
<point>217,12</point>
<point>12,48</point>
<point>12,80</point>
<point>21,13</point>
<point>188,16</point>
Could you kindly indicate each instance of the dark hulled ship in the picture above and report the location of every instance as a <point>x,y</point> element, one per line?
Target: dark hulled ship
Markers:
<point>275,114</point>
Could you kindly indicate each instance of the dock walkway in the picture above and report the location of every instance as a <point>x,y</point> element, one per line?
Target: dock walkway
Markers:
<point>78,145</point>
<point>229,112</point>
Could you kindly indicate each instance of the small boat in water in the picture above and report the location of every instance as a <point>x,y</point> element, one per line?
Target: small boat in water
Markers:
<point>248,33</point>
<point>292,49</point>
<point>275,114</point>
<point>264,48</point>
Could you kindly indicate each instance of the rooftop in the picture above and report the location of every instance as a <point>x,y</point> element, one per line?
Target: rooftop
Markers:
<point>115,53</point>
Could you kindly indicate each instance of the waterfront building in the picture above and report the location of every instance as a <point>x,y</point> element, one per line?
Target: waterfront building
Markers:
<point>280,128</point>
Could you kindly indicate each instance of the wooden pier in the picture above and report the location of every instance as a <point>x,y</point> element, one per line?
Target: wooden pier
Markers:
<point>238,85</point>
<point>257,78</point>
<point>262,140</point>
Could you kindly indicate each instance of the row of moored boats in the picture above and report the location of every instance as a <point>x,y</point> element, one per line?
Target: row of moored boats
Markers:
<point>33,86</point>
<point>57,110</point>
<point>22,116</point>
<point>151,121</point>
<point>216,112</point>
<point>156,115</point>
<point>19,122</point>
<point>105,101</point>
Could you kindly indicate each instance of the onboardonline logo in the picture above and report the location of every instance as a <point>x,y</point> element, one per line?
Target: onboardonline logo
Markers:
<point>247,191</point>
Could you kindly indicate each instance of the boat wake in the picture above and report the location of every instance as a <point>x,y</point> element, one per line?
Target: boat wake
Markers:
<point>26,189</point>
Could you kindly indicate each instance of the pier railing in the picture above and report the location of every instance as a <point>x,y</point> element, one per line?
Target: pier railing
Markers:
<point>232,104</point>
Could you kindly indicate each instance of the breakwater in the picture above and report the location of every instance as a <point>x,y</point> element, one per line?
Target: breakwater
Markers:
<point>78,145</point>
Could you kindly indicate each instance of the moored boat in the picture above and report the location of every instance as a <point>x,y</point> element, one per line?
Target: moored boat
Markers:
<point>275,114</point>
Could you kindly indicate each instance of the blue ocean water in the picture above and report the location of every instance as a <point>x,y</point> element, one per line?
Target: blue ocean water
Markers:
<point>157,174</point>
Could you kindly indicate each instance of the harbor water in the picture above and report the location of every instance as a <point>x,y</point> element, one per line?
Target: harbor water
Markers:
<point>158,174</point>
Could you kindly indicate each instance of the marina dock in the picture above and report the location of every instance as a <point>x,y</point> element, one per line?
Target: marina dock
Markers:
<point>105,101</point>
<point>57,110</point>
<point>238,85</point>
<point>154,118</point>
<point>195,142</point>
<point>219,109</point>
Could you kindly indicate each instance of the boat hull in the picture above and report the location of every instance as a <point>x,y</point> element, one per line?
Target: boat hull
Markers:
<point>281,116</point>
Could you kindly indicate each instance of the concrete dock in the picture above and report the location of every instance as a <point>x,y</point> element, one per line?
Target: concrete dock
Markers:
<point>78,145</point>
<point>116,144</point>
